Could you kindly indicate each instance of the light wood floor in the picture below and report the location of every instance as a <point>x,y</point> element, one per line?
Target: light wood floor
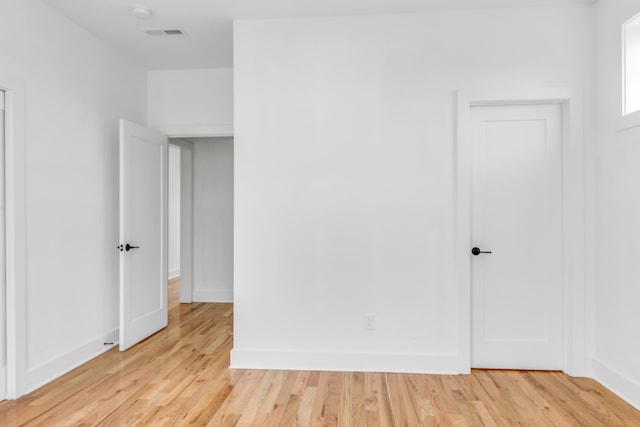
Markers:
<point>180,377</point>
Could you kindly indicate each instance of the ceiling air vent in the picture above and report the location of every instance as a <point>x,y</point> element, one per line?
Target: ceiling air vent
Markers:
<point>173,32</point>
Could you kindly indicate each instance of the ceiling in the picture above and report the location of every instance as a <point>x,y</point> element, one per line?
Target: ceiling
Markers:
<point>208,24</point>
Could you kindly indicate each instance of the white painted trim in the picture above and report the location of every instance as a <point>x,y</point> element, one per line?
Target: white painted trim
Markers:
<point>186,219</point>
<point>629,121</point>
<point>15,141</point>
<point>173,273</point>
<point>212,296</point>
<point>573,217</point>
<point>197,131</point>
<point>617,382</point>
<point>462,230</point>
<point>47,372</point>
<point>412,363</point>
<point>3,381</point>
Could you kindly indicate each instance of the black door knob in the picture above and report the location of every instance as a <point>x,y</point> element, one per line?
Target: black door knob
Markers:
<point>476,251</point>
<point>128,247</point>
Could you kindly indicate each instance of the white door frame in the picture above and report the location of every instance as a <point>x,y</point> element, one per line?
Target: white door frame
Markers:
<point>15,220</point>
<point>186,218</point>
<point>179,136</point>
<point>181,139</point>
<point>573,217</point>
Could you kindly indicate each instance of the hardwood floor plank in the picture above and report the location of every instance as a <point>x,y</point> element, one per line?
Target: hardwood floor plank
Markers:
<point>483,413</point>
<point>547,411</point>
<point>424,405</point>
<point>596,396</point>
<point>272,390</point>
<point>463,394</point>
<point>484,402</point>
<point>563,400</point>
<point>283,400</point>
<point>317,409</point>
<point>384,400</point>
<point>303,417</point>
<point>180,377</point>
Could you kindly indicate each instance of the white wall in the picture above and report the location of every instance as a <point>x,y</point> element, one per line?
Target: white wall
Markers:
<point>174,211</point>
<point>191,102</point>
<point>76,90</point>
<point>3,277</point>
<point>344,162</point>
<point>617,345</point>
<point>213,220</point>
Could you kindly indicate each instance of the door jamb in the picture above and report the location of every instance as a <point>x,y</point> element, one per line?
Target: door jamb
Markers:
<point>573,216</point>
<point>186,218</point>
<point>15,223</point>
<point>183,139</point>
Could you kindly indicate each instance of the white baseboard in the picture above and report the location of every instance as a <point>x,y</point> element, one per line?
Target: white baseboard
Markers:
<point>625,388</point>
<point>353,362</point>
<point>41,375</point>
<point>212,296</point>
<point>174,273</point>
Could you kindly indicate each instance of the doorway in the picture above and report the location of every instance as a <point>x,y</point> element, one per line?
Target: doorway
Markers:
<point>206,218</point>
<point>516,231</point>
<point>199,218</point>
<point>202,206</point>
<point>574,211</point>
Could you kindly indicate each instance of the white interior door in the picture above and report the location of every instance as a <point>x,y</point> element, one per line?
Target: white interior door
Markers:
<point>143,233</point>
<point>516,214</point>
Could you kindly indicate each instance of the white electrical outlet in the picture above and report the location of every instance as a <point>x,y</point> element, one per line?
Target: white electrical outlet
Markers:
<point>369,322</point>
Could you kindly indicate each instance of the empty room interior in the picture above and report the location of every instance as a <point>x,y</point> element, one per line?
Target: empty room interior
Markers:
<point>340,212</point>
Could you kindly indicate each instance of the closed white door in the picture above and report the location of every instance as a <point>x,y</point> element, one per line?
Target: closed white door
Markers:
<point>143,233</point>
<point>516,216</point>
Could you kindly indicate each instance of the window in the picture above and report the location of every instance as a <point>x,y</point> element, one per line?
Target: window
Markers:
<point>631,66</point>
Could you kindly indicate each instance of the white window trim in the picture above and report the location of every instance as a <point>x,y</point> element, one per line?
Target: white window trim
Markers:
<point>631,120</point>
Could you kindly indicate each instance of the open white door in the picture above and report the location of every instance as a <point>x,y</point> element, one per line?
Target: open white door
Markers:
<point>143,233</point>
